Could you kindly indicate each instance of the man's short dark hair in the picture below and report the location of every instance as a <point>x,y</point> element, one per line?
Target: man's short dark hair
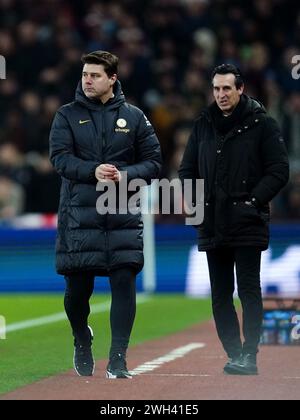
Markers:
<point>108,60</point>
<point>229,68</point>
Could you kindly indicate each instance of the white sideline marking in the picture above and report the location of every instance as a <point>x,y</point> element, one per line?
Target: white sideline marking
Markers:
<point>169,357</point>
<point>189,375</point>
<point>61,316</point>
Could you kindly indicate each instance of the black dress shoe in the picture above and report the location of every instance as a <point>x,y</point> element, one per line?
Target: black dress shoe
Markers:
<point>245,366</point>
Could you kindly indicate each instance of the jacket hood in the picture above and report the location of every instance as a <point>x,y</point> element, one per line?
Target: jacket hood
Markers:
<point>253,106</point>
<point>95,104</point>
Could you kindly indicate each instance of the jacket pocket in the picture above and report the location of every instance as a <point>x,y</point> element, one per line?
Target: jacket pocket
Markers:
<point>244,215</point>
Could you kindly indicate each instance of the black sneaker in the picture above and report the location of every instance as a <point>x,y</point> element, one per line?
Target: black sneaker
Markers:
<point>246,366</point>
<point>232,363</point>
<point>83,361</point>
<point>117,368</point>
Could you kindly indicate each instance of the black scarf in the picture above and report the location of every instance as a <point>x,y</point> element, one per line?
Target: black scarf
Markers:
<point>224,124</point>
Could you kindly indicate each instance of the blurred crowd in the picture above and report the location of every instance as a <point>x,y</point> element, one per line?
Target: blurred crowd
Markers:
<point>167,50</point>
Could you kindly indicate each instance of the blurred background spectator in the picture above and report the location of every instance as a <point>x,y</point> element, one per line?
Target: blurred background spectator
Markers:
<point>167,49</point>
<point>11,199</point>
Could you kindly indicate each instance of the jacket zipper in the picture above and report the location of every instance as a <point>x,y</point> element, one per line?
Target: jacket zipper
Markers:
<point>103,128</point>
<point>103,145</point>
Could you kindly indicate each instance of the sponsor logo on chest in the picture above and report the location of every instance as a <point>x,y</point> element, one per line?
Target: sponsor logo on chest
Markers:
<point>122,126</point>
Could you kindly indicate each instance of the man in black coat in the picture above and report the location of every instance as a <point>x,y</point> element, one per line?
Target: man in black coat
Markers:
<point>239,152</point>
<point>100,137</point>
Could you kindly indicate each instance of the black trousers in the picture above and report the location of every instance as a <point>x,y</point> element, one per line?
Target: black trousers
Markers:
<point>79,288</point>
<point>221,270</point>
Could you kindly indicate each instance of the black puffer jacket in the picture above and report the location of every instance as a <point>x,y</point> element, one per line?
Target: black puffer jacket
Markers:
<point>249,162</point>
<point>85,134</point>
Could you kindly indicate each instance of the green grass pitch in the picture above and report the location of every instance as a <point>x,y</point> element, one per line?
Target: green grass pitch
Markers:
<point>30,354</point>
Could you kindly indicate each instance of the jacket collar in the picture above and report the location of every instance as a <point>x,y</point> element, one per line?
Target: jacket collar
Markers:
<point>96,105</point>
<point>250,112</point>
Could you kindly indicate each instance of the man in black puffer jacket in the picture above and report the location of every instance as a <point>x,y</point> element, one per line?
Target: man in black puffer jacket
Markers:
<point>239,152</point>
<point>99,137</point>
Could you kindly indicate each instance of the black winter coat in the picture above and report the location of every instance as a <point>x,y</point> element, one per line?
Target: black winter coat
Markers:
<point>85,134</point>
<point>249,162</point>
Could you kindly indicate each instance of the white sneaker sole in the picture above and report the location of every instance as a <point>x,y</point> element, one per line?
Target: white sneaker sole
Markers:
<point>109,375</point>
